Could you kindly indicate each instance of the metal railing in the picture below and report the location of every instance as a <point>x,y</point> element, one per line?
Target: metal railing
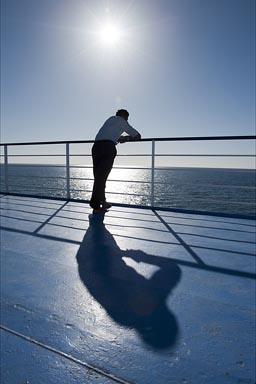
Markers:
<point>67,178</point>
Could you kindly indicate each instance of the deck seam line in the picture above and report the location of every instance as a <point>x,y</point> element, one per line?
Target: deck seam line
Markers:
<point>96,369</point>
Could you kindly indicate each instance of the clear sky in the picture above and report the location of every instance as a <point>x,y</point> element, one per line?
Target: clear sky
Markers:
<point>181,67</point>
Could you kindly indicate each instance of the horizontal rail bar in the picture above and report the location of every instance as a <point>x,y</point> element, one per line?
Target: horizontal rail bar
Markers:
<point>167,168</point>
<point>163,168</point>
<point>76,190</point>
<point>194,138</point>
<point>175,155</point>
<point>90,166</point>
<point>145,155</point>
<point>21,186</point>
<point>113,180</point>
<point>109,180</point>
<point>111,193</point>
<point>39,177</point>
<point>209,185</point>
<point>203,155</point>
<point>35,155</point>
<point>140,182</point>
<point>38,165</point>
<point>132,181</point>
<point>126,167</point>
<point>187,155</point>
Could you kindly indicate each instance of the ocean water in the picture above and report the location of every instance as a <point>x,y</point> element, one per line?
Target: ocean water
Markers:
<point>231,191</point>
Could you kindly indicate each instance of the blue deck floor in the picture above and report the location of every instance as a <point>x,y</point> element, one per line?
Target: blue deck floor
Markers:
<point>136,296</point>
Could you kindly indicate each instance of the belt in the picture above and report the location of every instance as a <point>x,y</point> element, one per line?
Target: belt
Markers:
<point>104,141</point>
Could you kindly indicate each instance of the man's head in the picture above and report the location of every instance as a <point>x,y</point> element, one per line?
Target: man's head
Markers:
<point>123,113</point>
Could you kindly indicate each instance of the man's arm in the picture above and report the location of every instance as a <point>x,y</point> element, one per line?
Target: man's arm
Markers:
<point>133,134</point>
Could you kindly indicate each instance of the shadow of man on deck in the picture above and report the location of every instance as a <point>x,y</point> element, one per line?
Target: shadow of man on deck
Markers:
<point>128,297</point>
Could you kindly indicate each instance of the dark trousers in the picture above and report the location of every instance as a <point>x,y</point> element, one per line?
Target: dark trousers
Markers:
<point>103,156</point>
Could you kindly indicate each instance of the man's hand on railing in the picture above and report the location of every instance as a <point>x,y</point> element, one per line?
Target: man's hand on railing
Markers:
<point>124,139</point>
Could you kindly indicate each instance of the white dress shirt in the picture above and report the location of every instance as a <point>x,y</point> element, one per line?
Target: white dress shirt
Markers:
<point>113,128</point>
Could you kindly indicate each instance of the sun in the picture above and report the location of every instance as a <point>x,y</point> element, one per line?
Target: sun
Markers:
<point>110,35</point>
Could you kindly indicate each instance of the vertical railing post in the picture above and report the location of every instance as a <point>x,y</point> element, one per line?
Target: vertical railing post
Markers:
<point>68,170</point>
<point>153,174</point>
<point>6,168</point>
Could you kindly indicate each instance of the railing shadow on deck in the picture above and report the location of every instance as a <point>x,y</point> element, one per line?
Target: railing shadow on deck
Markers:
<point>129,298</point>
<point>76,220</point>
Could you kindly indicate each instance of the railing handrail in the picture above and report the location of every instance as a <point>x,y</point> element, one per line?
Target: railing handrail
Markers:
<point>189,138</point>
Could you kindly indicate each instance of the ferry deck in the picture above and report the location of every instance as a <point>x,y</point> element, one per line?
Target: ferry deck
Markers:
<point>133,296</point>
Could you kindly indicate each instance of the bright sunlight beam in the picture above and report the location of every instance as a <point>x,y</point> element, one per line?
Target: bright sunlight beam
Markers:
<point>110,35</point>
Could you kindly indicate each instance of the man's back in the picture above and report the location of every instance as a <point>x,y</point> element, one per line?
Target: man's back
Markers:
<point>113,128</point>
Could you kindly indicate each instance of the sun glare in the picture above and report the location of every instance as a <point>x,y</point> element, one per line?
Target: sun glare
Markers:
<point>110,35</point>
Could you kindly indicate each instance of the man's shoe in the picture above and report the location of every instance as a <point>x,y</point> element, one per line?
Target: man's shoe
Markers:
<point>100,210</point>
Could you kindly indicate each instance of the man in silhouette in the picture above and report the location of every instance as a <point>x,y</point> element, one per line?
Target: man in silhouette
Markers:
<point>104,153</point>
